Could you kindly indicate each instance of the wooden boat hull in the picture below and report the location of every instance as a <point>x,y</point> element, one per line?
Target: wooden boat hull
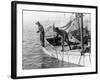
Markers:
<point>71,56</point>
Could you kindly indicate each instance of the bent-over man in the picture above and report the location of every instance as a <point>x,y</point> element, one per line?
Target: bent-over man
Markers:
<point>64,36</point>
<point>42,33</point>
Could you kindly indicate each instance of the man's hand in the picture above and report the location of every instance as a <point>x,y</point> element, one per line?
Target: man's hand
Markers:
<point>38,31</point>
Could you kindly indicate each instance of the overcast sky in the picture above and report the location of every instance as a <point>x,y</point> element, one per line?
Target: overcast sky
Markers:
<point>46,18</point>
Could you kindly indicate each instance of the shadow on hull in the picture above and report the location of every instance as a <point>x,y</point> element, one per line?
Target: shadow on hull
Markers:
<point>57,41</point>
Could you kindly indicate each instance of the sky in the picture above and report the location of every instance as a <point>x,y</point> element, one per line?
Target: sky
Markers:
<point>47,18</point>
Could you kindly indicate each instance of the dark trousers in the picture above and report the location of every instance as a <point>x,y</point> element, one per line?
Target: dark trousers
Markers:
<point>42,38</point>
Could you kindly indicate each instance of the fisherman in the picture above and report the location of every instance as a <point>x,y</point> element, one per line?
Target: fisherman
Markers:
<point>64,36</point>
<point>42,33</point>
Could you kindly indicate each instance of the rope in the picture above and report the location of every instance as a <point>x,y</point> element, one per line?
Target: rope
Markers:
<point>69,23</point>
<point>48,28</point>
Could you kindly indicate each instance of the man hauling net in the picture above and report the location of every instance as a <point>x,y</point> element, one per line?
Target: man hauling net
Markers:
<point>42,33</point>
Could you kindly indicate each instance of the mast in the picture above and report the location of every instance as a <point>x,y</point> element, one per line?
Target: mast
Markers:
<point>81,30</point>
<point>81,35</point>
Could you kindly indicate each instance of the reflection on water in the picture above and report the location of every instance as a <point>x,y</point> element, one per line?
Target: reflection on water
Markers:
<point>34,58</point>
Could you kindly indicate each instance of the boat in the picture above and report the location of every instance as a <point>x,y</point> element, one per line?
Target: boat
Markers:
<point>53,47</point>
<point>70,56</point>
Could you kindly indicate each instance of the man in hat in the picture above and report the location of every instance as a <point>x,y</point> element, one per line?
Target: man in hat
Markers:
<point>42,33</point>
<point>64,36</point>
